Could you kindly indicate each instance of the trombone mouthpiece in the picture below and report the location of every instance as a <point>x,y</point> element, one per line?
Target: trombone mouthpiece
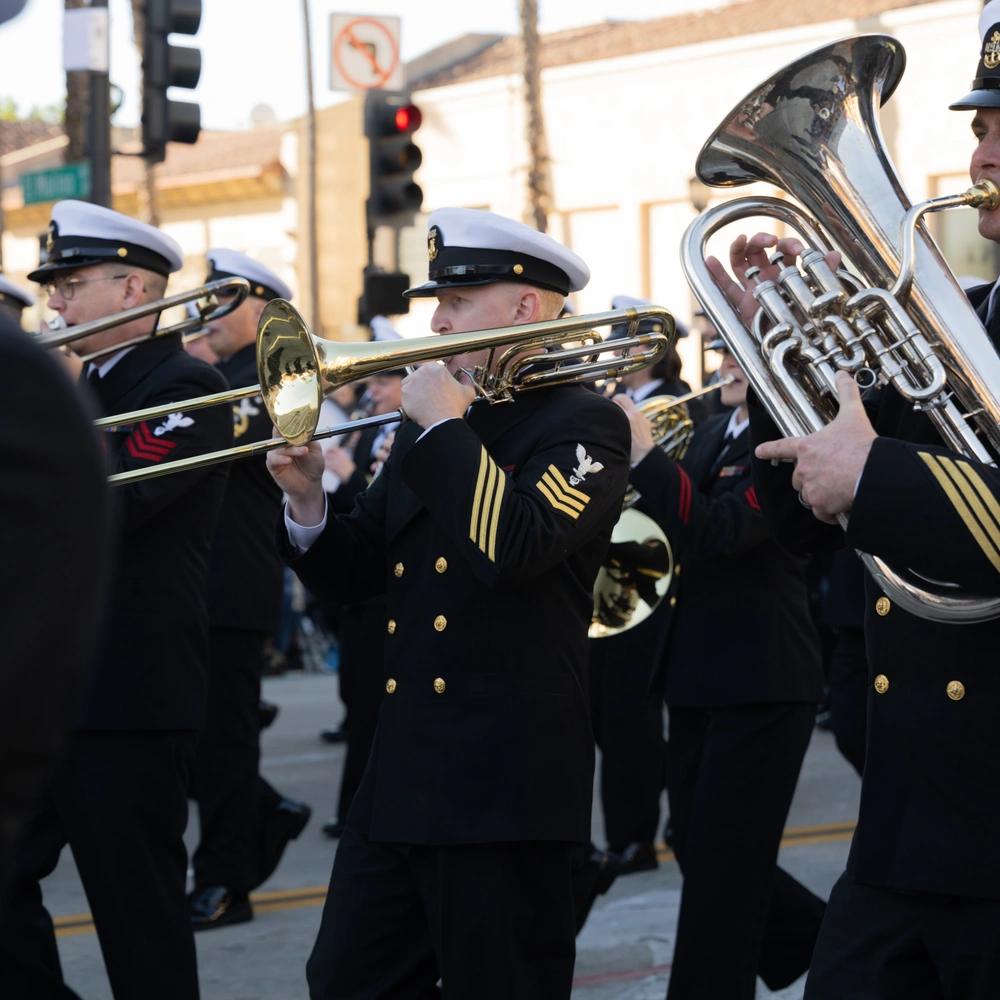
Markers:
<point>984,194</point>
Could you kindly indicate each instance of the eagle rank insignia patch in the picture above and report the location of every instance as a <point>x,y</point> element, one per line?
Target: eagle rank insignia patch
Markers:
<point>586,466</point>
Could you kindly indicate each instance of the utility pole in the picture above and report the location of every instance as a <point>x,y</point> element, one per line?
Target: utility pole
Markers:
<point>310,206</point>
<point>85,56</point>
<point>99,125</point>
<point>539,192</point>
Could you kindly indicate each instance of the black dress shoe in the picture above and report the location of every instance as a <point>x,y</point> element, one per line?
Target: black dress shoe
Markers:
<point>267,712</point>
<point>637,857</point>
<point>334,829</point>
<point>336,735</point>
<point>594,879</point>
<point>216,906</point>
<point>283,824</point>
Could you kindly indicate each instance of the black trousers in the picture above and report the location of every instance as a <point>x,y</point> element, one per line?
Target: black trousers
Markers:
<point>119,799</point>
<point>849,695</point>
<point>731,774</point>
<point>881,944</point>
<point>492,921</point>
<point>232,798</point>
<point>362,642</point>
<point>628,727</point>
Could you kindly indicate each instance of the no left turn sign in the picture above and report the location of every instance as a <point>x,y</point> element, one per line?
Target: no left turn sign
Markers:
<point>365,53</point>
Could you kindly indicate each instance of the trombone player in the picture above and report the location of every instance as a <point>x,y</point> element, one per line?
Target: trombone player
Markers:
<point>119,797</point>
<point>485,529</point>
<point>917,913</point>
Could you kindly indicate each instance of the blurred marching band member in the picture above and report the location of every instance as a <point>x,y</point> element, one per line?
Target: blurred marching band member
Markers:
<point>14,300</point>
<point>741,701</point>
<point>245,823</point>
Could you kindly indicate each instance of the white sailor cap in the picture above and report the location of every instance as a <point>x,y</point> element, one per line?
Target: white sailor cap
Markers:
<point>9,292</point>
<point>468,247</point>
<point>646,326</point>
<point>81,234</point>
<point>986,85</point>
<point>264,283</point>
<point>383,330</point>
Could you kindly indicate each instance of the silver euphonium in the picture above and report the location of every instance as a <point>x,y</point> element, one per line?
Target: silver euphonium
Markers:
<point>812,130</point>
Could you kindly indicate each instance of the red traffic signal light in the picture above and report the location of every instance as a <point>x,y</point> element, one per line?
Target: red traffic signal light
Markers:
<point>408,118</point>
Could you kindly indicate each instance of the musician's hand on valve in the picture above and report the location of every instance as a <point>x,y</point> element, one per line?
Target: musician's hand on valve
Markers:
<point>298,470</point>
<point>829,462</point>
<point>642,431</point>
<point>432,394</point>
<point>745,253</point>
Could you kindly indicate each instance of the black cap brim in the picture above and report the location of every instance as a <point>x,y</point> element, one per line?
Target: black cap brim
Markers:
<point>44,273</point>
<point>977,99</point>
<point>429,288</point>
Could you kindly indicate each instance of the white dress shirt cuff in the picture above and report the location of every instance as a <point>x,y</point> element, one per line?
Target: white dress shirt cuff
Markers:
<point>301,538</point>
<point>437,424</point>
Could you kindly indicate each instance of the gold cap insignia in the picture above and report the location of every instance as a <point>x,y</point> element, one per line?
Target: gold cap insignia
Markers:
<point>432,245</point>
<point>991,51</point>
<point>50,238</point>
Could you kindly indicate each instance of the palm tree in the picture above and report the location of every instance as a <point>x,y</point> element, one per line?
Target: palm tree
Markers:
<point>539,190</point>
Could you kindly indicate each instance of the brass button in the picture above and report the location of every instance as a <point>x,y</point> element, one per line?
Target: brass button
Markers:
<point>673,602</point>
<point>956,690</point>
<point>441,565</point>
<point>440,623</point>
<point>881,684</point>
<point>677,571</point>
<point>882,606</point>
<point>439,685</point>
<point>398,570</point>
<point>391,627</point>
<point>390,686</point>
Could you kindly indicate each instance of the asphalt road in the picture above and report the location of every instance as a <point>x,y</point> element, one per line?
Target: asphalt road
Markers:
<point>623,953</point>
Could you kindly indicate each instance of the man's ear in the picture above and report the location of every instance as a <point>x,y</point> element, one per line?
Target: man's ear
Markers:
<point>133,290</point>
<point>528,306</point>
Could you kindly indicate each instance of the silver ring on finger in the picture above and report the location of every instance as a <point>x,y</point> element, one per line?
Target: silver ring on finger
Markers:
<point>804,502</point>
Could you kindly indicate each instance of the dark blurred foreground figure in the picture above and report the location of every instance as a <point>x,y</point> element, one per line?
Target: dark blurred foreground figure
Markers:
<point>741,710</point>
<point>245,823</point>
<point>119,796</point>
<point>53,592</point>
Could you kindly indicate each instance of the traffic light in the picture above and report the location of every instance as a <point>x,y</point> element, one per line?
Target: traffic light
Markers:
<point>383,295</point>
<point>165,65</point>
<point>390,121</point>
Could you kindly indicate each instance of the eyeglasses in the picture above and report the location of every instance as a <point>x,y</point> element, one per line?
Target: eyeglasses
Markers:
<point>66,287</point>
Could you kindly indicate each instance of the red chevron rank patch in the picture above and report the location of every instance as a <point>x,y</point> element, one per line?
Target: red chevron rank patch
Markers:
<point>751,495</point>
<point>141,444</point>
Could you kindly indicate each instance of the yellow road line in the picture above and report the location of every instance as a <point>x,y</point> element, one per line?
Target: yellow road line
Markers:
<point>275,901</point>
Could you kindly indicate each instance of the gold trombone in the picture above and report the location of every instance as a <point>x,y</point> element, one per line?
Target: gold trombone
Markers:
<point>206,298</point>
<point>298,370</point>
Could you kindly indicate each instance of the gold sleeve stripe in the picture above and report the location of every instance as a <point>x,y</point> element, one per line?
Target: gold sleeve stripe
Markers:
<point>554,502</point>
<point>477,497</point>
<point>491,483</point>
<point>956,473</point>
<point>565,487</point>
<point>982,489</point>
<point>486,500</point>
<point>495,517</point>
<point>961,508</point>
<point>563,497</point>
